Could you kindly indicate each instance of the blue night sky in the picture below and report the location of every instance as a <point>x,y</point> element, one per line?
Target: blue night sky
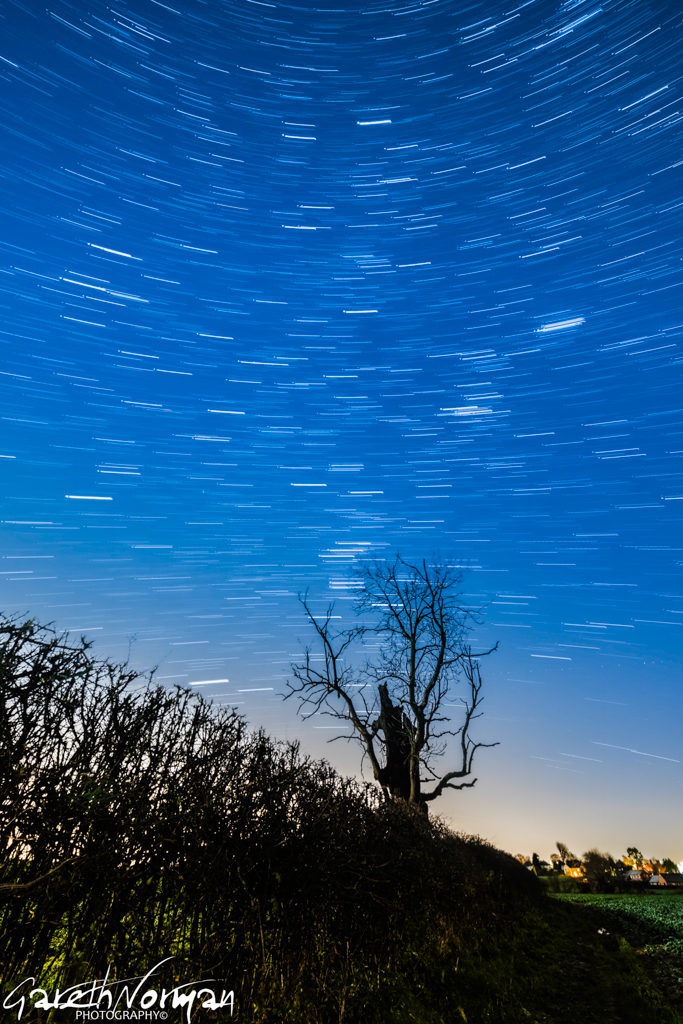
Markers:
<point>289,286</point>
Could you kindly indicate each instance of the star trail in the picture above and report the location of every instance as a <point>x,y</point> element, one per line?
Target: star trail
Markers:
<point>289,286</point>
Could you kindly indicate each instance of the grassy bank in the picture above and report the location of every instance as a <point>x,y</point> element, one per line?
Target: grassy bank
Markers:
<point>436,929</point>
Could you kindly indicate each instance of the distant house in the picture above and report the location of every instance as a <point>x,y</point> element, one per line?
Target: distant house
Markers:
<point>658,880</point>
<point>636,875</point>
<point>674,878</point>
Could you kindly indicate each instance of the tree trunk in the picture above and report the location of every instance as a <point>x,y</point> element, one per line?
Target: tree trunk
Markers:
<point>395,776</point>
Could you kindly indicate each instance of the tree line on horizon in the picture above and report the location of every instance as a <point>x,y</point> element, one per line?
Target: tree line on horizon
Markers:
<point>597,866</point>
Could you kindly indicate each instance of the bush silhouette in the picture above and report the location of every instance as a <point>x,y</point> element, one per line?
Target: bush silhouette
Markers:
<point>139,823</point>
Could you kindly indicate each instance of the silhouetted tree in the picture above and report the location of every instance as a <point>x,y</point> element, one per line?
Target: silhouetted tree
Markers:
<point>564,852</point>
<point>396,703</point>
<point>598,866</point>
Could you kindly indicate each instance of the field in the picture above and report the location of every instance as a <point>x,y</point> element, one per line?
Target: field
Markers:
<point>652,923</point>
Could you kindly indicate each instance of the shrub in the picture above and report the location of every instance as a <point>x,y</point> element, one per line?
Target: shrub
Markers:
<point>139,823</point>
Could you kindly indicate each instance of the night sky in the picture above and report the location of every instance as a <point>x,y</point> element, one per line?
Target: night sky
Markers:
<point>285,287</point>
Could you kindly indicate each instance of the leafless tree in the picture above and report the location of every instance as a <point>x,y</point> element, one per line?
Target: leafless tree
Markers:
<point>400,678</point>
<point>564,852</point>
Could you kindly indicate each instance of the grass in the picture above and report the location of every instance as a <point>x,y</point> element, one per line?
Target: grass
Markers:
<point>479,943</point>
<point>471,939</point>
<point>551,965</point>
<point>652,923</point>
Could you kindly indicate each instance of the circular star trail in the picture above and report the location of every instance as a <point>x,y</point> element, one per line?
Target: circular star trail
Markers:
<point>285,287</point>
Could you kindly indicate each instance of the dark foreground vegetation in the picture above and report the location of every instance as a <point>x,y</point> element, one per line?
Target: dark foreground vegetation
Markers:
<point>140,823</point>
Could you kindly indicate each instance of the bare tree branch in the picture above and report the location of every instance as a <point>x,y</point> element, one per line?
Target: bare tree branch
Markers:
<point>418,628</point>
